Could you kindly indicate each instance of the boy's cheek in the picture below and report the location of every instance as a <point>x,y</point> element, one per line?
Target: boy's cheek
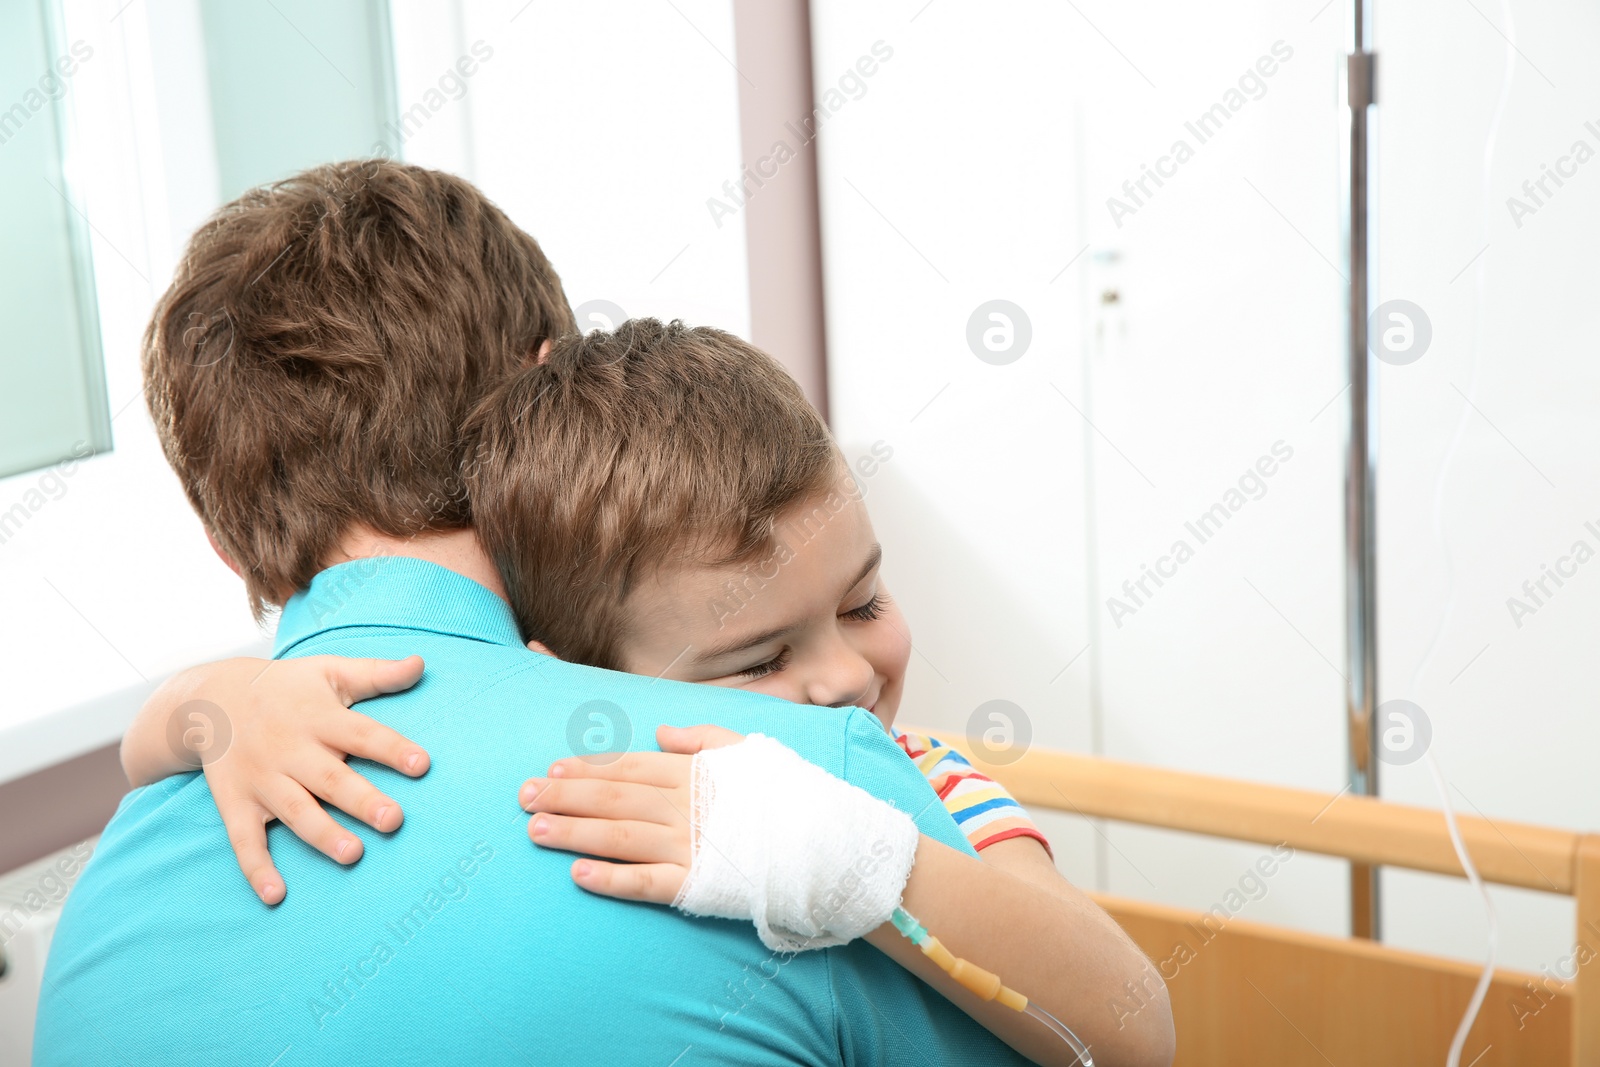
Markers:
<point>890,663</point>
<point>890,660</point>
<point>896,638</point>
<point>888,707</point>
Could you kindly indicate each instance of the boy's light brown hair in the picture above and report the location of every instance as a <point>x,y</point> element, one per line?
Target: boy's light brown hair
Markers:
<point>651,445</point>
<point>320,348</point>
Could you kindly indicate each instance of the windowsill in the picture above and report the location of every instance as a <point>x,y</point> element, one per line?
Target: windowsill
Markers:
<point>60,734</point>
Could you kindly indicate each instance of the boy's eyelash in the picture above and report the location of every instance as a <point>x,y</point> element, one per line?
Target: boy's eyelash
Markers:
<point>772,666</point>
<point>872,609</point>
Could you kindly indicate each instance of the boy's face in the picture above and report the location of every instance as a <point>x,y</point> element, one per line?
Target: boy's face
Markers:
<point>813,623</point>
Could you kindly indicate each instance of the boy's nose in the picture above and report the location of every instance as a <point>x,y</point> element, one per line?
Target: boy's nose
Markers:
<point>845,679</point>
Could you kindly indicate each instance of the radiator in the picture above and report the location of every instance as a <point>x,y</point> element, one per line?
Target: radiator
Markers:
<point>30,903</point>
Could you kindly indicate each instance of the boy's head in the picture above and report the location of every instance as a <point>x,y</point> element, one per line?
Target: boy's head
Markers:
<point>663,500</point>
<point>323,341</point>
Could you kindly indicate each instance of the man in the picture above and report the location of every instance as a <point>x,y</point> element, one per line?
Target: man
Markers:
<point>308,371</point>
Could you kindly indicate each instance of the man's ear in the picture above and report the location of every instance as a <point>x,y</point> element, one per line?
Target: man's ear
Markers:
<point>223,556</point>
<point>540,646</point>
<point>538,361</point>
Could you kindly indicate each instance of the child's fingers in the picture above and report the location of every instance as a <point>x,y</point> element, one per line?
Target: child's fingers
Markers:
<point>364,736</point>
<point>662,769</point>
<point>362,679</point>
<point>688,740</point>
<point>247,833</point>
<point>330,778</point>
<point>599,799</point>
<point>297,809</point>
<point>617,839</point>
<point>654,883</point>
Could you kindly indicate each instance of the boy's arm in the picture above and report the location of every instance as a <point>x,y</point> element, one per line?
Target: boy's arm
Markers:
<point>1066,949</point>
<point>1006,839</point>
<point>272,737</point>
<point>180,704</point>
<point>1044,938</point>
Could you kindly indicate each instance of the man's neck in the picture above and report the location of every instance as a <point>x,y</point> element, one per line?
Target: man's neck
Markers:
<point>457,550</point>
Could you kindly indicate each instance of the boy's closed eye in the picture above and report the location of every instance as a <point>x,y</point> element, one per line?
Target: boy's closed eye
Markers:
<point>872,609</point>
<point>867,612</point>
<point>771,666</point>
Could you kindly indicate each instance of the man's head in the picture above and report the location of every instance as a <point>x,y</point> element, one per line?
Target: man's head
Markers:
<point>663,500</point>
<point>311,366</point>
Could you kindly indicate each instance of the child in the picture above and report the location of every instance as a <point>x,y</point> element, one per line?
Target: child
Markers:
<point>663,501</point>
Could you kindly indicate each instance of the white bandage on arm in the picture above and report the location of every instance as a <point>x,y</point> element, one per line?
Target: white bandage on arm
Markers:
<point>811,859</point>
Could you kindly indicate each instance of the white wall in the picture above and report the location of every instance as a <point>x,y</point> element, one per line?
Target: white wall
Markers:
<point>1512,707</point>
<point>602,129</point>
<point>978,165</point>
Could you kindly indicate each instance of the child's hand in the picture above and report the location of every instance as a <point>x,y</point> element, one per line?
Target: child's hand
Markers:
<point>634,809</point>
<point>743,829</point>
<point>291,732</point>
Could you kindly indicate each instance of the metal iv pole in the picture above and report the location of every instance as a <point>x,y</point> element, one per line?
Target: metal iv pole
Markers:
<point>1361,609</point>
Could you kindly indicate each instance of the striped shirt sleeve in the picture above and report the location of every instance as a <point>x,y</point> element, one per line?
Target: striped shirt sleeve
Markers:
<point>981,807</point>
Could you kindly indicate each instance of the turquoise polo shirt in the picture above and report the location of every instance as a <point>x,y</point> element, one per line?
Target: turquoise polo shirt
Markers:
<point>454,939</point>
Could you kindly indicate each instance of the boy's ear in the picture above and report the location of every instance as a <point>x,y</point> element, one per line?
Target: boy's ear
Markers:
<point>540,646</point>
<point>538,360</point>
<point>223,556</point>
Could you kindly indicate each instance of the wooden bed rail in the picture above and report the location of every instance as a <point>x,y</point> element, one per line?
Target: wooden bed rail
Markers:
<point>1360,829</point>
<point>1357,828</point>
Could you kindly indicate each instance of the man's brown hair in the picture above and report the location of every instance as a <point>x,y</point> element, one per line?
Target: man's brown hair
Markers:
<point>626,451</point>
<point>320,348</point>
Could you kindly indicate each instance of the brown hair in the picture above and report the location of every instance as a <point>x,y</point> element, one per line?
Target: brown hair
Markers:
<point>652,444</point>
<point>318,352</point>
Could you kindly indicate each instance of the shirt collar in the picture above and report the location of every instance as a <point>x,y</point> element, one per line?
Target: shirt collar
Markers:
<point>396,591</point>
